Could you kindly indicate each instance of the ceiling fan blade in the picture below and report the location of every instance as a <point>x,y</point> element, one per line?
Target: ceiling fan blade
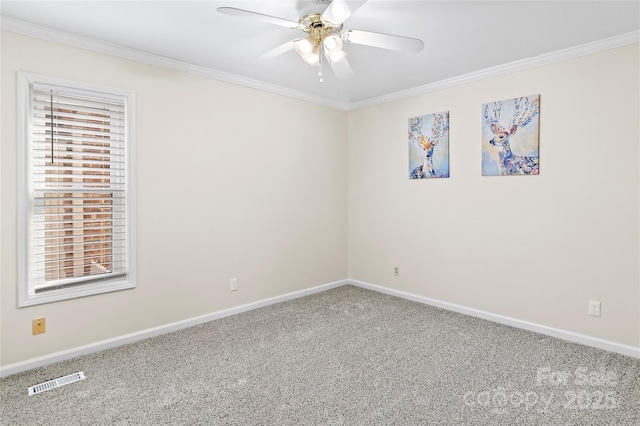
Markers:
<point>342,69</point>
<point>339,10</point>
<point>283,48</point>
<point>241,13</point>
<point>384,41</point>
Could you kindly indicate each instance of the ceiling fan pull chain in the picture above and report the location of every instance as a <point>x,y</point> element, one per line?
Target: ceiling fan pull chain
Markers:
<point>320,71</point>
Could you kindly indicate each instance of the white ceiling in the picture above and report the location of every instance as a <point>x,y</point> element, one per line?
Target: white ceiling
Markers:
<point>460,37</point>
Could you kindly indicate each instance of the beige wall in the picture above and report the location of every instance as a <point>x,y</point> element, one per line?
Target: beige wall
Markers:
<point>231,182</point>
<point>536,248</point>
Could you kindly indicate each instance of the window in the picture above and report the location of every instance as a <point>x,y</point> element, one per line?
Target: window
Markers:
<point>76,205</point>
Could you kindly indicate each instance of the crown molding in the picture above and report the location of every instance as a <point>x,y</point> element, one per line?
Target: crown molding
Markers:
<point>261,85</point>
<point>56,36</point>
<point>511,67</point>
<point>62,37</point>
<point>25,28</point>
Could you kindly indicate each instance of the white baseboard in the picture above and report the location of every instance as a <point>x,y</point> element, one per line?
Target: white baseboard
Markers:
<point>595,342</point>
<point>583,339</point>
<point>156,331</point>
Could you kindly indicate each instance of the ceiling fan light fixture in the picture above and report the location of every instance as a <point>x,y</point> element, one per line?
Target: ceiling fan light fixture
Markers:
<point>332,42</point>
<point>304,46</point>
<point>334,55</point>
<point>308,50</point>
<point>333,48</point>
<point>313,57</point>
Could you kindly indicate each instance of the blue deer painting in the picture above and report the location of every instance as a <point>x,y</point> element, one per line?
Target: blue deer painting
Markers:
<point>434,161</point>
<point>503,138</point>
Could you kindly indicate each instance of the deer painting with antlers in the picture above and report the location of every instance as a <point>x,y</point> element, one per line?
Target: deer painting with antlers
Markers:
<point>503,152</point>
<point>429,149</point>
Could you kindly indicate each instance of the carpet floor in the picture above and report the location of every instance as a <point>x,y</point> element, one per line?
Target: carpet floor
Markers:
<point>347,356</point>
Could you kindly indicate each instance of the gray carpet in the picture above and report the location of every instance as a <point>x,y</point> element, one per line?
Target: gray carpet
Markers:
<point>345,356</point>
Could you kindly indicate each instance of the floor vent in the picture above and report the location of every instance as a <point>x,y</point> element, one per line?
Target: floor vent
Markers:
<point>51,384</point>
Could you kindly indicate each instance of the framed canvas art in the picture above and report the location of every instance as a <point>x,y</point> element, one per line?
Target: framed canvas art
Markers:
<point>510,139</point>
<point>429,146</point>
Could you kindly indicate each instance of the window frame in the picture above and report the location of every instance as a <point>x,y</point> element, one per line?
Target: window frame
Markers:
<point>27,295</point>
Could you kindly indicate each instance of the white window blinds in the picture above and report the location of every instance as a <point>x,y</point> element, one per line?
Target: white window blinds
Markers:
<point>78,229</point>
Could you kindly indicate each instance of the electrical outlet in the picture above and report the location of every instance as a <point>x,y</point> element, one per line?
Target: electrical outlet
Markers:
<point>396,271</point>
<point>594,308</point>
<point>233,284</point>
<point>38,326</point>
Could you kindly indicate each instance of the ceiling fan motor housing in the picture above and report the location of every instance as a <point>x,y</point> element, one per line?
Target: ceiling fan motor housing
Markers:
<point>318,29</point>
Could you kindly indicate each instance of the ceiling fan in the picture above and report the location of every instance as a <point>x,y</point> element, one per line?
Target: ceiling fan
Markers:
<point>325,34</point>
